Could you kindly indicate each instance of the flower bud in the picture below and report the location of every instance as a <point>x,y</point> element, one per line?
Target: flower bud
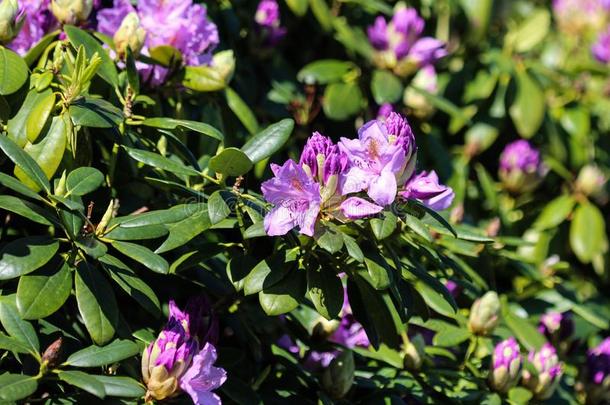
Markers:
<point>505,365</point>
<point>591,181</point>
<point>414,352</point>
<point>338,377</point>
<point>53,354</point>
<point>556,326</point>
<point>548,372</point>
<point>425,79</point>
<point>71,11</point>
<point>484,314</point>
<point>9,21</point>
<point>323,328</point>
<point>521,169</point>
<point>130,35</point>
<point>598,374</point>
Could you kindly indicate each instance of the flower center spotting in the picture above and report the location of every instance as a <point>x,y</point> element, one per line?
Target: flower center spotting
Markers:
<point>296,183</point>
<point>508,352</point>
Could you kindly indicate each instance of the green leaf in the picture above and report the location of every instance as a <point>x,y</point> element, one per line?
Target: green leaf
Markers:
<point>325,291</point>
<point>450,336</point>
<point>41,294</point>
<point>78,37</point>
<point>203,78</point>
<point>231,162</point>
<point>587,232</point>
<point>379,270</point>
<point>525,332</point>
<point>172,123</point>
<point>268,141</point>
<point>217,206</point>
<point>95,113</point>
<point>17,328</point>
<point>162,217</point>
<point>482,136</point>
<point>25,255</point>
<point>24,208</point>
<point>13,345</point>
<point>528,108</point>
<point>17,126</point>
<point>386,87</point>
<point>47,153</point>
<point>83,181</point>
<point>133,285</point>
<point>118,386</point>
<point>283,296</point>
<point>17,186</point>
<point>298,7</point>
<point>555,212</point>
<point>532,31</point>
<point>435,300</point>
<point>13,71</point>
<point>96,303</point>
<point>25,163</point>
<point>83,381</point>
<point>136,233</point>
<point>241,110</point>
<point>519,395</point>
<point>161,162</point>
<point>142,255</point>
<point>322,13</point>
<point>352,248</point>
<point>39,115</point>
<point>14,387</point>
<point>329,238</point>
<point>182,232</point>
<point>382,228</point>
<point>91,246</point>
<point>342,100</point>
<point>166,55</point>
<point>325,71</point>
<point>95,356</point>
<point>266,274</point>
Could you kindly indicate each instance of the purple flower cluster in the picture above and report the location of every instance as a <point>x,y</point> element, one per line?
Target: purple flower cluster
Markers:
<point>577,17</point>
<point>399,44</point>
<point>556,326</point>
<point>177,23</point>
<point>521,167</point>
<point>37,22</point>
<point>548,372</point>
<point>328,178</point>
<point>267,18</point>
<point>505,365</point>
<point>183,355</point>
<point>598,363</point>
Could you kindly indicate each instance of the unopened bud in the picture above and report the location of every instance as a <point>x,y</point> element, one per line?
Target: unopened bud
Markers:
<point>548,370</point>
<point>130,35</point>
<point>53,354</point>
<point>9,24</point>
<point>591,181</point>
<point>71,11</point>
<point>484,314</point>
<point>414,352</point>
<point>338,377</point>
<point>505,365</point>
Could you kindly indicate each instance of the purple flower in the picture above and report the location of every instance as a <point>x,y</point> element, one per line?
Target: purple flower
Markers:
<point>186,27</point>
<point>399,45</point>
<point>521,168</point>
<point>356,208</point>
<point>384,111</point>
<point>601,48</point>
<point>426,188</point>
<point>505,365</point>
<point>548,372</point>
<point>197,319</point>
<point>382,157</point>
<point>322,158</point>
<point>598,362</point>
<point>453,288</point>
<point>556,326</point>
<point>296,197</point>
<point>174,361</point>
<point>268,19</point>
<point>38,21</point>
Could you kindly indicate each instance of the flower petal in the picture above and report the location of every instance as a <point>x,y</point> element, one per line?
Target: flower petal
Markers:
<point>279,221</point>
<point>202,377</point>
<point>383,188</point>
<point>355,208</point>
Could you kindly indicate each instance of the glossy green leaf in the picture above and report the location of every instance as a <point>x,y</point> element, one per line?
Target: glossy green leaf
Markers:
<point>25,163</point>
<point>162,217</point>
<point>218,209</point>
<point>241,110</point>
<point>325,71</point>
<point>379,270</point>
<point>95,356</point>
<point>298,7</point>
<point>83,381</point>
<point>172,123</point>
<point>325,291</point>
<point>268,141</point>
<point>17,186</point>
<point>16,126</point>
<point>532,31</point>
<point>283,296</point>
<point>322,13</point>
<point>119,386</point>
<point>342,100</point>
<point>329,238</point>
<point>25,255</point>
<point>95,113</point>
<point>13,71</point>
<point>142,255</point>
<point>96,303</point>
<point>587,232</point>
<point>386,87</point>
<point>13,345</point>
<point>17,328</point>
<point>83,181</point>
<point>203,78</point>
<point>14,387</point>
<point>384,227</point>
<point>182,232</point>
<point>161,162</point>
<point>37,119</point>
<point>352,248</point>
<point>42,293</point>
<point>555,212</point>
<point>78,37</point>
<point>451,336</point>
<point>24,209</point>
<point>231,162</point>
<point>524,331</point>
<point>528,107</point>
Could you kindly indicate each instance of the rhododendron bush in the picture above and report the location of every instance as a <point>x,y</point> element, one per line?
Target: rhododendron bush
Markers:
<point>304,201</point>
